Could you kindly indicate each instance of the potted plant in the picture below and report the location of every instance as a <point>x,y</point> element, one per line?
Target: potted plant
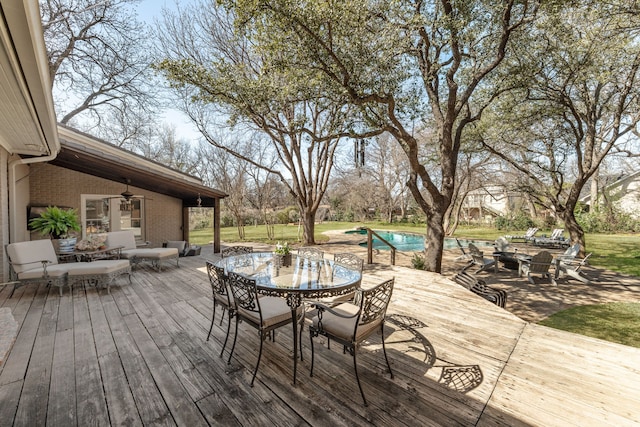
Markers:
<point>58,223</point>
<point>283,252</point>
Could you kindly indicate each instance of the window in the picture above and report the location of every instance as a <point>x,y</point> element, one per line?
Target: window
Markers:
<point>104,213</point>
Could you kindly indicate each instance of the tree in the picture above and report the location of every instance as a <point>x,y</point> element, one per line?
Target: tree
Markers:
<point>98,61</point>
<point>579,100</point>
<point>399,63</point>
<point>228,80</point>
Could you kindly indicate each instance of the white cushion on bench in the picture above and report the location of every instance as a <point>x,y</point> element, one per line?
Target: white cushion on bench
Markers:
<point>99,267</point>
<point>29,255</point>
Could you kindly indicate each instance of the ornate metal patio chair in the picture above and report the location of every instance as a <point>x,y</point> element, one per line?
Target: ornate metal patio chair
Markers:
<point>349,261</point>
<point>221,296</point>
<point>311,253</point>
<point>351,323</point>
<point>478,259</point>
<point>538,264</point>
<point>236,250</point>
<point>266,313</point>
<point>479,287</point>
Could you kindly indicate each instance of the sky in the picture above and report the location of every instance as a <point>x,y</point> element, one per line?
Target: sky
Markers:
<point>148,11</point>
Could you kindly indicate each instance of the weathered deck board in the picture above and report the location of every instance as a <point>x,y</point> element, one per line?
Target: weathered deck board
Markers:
<point>140,356</point>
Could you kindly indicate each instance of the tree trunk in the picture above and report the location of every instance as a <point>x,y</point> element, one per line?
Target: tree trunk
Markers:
<point>594,191</point>
<point>309,225</point>
<point>434,241</point>
<point>576,233</point>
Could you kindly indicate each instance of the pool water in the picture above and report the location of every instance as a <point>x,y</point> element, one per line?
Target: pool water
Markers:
<point>408,242</point>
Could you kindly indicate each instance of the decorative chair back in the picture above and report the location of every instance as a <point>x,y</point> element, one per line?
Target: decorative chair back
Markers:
<point>349,260</point>
<point>245,294</point>
<point>236,250</point>
<point>571,252</point>
<point>373,304</point>
<point>217,280</point>
<point>311,253</point>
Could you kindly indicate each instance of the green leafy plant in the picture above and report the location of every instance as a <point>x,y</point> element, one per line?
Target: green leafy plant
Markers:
<point>282,248</point>
<point>418,261</point>
<point>56,222</point>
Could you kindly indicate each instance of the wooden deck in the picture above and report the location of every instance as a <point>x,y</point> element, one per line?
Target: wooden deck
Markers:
<point>139,357</point>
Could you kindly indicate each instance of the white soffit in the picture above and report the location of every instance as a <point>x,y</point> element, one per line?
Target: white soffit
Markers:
<point>27,117</point>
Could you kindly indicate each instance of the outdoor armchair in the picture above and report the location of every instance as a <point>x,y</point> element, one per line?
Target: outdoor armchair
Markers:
<point>352,323</point>
<point>236,250</point>
<point>572,268</point>
<point>264,313</point>
<point>310,253</point>
<point>538,264</point>
<point>478,259</point>
<point>222,296</point>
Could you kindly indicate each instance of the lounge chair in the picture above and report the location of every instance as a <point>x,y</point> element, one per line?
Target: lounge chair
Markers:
<point>479,287</point>
<point>36,262</point>
<point>127,241</point>
<point>555,240</point>
<point>526,238</point>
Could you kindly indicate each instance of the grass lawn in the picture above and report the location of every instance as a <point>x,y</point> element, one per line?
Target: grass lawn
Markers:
<point>615,322</point>
<point>617,252</point>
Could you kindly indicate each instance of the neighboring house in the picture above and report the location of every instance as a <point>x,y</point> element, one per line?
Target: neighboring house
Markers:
<point>44,164</point>
<point>487,203</point>
<point>624,193</point>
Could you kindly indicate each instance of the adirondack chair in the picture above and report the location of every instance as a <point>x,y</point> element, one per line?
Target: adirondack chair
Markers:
<point>479,287</point>
<point>572,268</point>
<point>538,264</point>
<point>478,259</point>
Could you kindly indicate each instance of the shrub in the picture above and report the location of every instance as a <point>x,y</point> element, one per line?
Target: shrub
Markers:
<point>418,261</point>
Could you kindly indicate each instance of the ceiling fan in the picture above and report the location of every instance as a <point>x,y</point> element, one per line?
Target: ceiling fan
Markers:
<point>126,198</point>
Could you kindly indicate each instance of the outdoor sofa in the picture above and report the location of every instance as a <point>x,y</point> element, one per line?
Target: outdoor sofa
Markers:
<point>36,261</point>
<point>126,240</point>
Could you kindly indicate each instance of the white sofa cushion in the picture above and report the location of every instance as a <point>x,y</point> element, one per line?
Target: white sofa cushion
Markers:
<point>99,267</point>
<point>125,238</point>
<point>29,255</point>
<point>150,253</point>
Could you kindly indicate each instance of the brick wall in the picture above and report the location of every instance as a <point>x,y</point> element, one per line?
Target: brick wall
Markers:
<point>53,185</point>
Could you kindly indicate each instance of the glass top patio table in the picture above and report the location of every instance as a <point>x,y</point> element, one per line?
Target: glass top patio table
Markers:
<point>304,279</point>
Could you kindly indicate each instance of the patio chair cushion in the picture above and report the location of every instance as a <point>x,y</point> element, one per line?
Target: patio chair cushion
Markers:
<point>158,254</point>
<point>53,271</point>
<point>99,267</point>
<point>30,254</point>
<point>181,245</point>
<point>342,327</point>
<point>125,238</point>
<point>274,310</point>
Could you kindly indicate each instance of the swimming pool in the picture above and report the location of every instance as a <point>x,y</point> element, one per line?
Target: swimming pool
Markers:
<point>408,242</point>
